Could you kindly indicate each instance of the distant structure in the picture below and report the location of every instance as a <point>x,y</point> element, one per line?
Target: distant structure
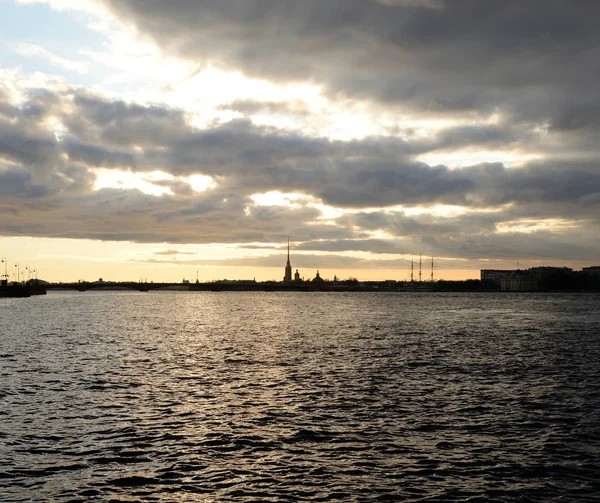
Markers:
<point>532,279</point>
<point>287,278</point>
<point>412,270</point>
<point>317,280</point>
<point>592,271</point>
<point>432,269</point>
<point>510,281</point>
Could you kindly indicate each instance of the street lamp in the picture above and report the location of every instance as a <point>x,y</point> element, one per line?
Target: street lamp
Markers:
<point>5,276</point>
<point>18,271</point>
<point>28,274</point>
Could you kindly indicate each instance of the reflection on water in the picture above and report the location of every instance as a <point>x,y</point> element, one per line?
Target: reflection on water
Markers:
<point>179,396</point>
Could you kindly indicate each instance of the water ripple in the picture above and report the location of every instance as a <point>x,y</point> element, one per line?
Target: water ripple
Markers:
<point>118,396</point>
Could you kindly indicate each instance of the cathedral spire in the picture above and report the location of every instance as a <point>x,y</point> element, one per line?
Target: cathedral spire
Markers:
<point>288,267</point>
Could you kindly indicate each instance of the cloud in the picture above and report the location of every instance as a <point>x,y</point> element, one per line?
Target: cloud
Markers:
<point>252,107</point>
<point>246,159</point>
<point>173,252</point>
<point>536,60</point>
<point>51,144</point>
<point>17,183</point>
<point>307,263</point>
<point>27,49</point>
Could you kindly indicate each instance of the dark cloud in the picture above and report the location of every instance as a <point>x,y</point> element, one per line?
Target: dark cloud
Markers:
<point>17,183</point>
<point>251,107</point>
<point>540,246</point>
<point>46,184</point>
<point>373,172</point>
<point>245,159</point>
<point>27,144</point>
<point>487,136</point>
<point>96,155</point>
<point>536,60</point>
<point>7,109</point>
<point>365,184</point>
<point>117,123</point>
<point>40,104</point>
<point>473,236</point>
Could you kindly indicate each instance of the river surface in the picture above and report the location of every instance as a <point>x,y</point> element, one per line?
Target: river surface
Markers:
<point>201,396</point>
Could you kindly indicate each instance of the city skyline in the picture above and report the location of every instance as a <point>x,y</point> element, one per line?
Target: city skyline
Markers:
<point>421,270</point>
<point>140,140</point>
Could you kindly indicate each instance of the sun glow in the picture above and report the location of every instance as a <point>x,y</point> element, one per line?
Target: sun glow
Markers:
<point>527,226</point>
<point>127,180</point>
<point>463,158</point>
<point>200,183</point>
<point>154,183</point>
<point>276,198</point>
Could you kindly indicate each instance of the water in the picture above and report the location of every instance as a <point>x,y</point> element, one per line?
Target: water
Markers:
<point>177,396</point>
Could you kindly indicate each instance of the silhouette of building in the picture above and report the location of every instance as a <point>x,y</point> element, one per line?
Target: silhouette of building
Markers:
<point>545,271</point>
<point>287,278</point>
<point>318,280</point>
<point>534,278</point>
<point>592,271</point>
<point>297,276</point>
<point>518,282</point>
<point>511,280</point>
<point>495,275</point>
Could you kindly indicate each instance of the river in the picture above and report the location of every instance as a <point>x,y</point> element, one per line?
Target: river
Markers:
<point>275,396</point>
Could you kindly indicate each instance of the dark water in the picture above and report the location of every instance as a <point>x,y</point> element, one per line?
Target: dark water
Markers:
<point>180,396</point>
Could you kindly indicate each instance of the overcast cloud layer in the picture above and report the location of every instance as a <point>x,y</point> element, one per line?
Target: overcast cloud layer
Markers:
<point>535,60</point>
<point>496,78</point>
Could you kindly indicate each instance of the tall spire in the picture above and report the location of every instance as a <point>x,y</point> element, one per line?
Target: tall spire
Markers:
<point>288,267</point>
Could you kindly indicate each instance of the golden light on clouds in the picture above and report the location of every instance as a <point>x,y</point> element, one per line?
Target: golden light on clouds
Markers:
<point>148,183</point>
<point>356,131</point>
<point>529,225</point>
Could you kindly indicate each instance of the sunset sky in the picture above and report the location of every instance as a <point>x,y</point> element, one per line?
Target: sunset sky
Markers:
<point>181,139</point>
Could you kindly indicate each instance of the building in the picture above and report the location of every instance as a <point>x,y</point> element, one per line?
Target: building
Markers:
<point>317,280</point>
<point>519,281</point>
<point>592,271</point>
<point>287,278</point>
<point>534,278</point>
<point>543,272</point>
<point>511,280</point>
<point>494,275</point>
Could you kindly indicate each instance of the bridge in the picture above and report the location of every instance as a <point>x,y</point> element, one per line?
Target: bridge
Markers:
<point>241,286</point>
<point>84,286</point>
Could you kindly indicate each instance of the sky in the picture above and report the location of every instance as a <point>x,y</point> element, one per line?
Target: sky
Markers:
<point>161,141</point>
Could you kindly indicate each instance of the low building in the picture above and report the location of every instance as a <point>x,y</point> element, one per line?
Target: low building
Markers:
<point>545,271</point>
<point>494,275</point>
<point>592,271</point>
<point>317,280</point>
<point>519,281</point>
<point>510,280</point>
